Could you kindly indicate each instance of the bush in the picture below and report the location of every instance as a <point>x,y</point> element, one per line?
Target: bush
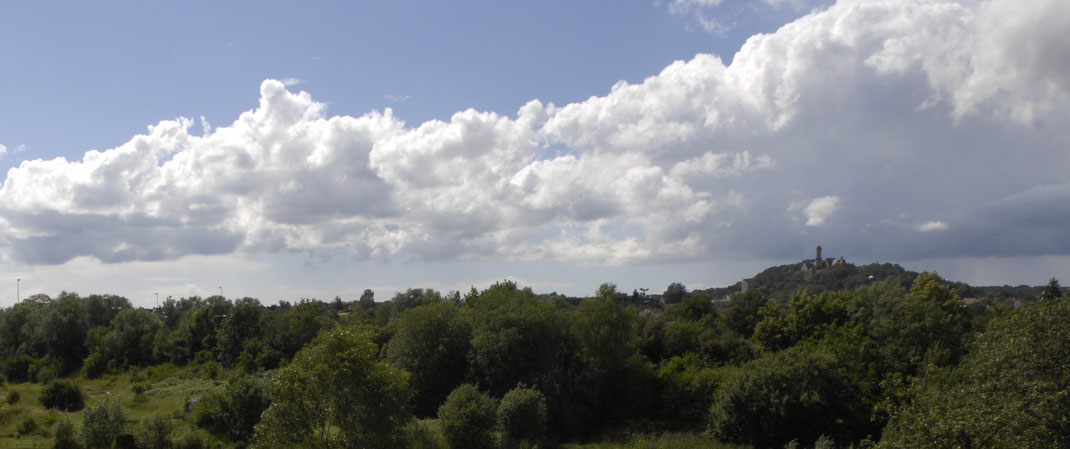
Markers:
<point>62,396</point>
<point>16,368</point>
<point>467,418</point>
<point>94,366</point>
<point>191,440</point>
<point>154,432</point>
<point>12,397</point>
<point>232,413</point>
<point>424,434</point>
<point>522,416</point>
<point>792,394</point>
<point>64,435</point>
<point>27,426</point>
<point>102,423</point>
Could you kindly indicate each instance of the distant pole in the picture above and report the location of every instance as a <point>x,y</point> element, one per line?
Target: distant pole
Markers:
<point>220,291</point>
<point>18,290</point>
<point>157,300</point>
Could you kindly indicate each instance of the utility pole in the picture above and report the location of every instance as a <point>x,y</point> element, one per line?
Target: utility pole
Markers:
<point>18,290</point>
<point>157,300</point>
<point>221,292</point>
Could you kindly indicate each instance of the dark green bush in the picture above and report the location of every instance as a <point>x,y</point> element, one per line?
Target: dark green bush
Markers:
<point>785,396</point>
<point>17,368</point>
<point>522,415</point>
<point>62,396</point>
<point>12,397</point>
<point>232,413</point>
<point>467,418</point>
<point>27,426</point>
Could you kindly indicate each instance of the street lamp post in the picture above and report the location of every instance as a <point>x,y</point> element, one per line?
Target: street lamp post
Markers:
<point>18,290</point>
<point>157,300</point>
<point>220,291</point>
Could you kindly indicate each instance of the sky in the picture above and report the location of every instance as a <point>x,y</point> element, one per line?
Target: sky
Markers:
<point>284,151</point>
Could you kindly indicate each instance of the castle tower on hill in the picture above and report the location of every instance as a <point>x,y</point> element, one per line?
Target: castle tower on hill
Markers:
<point>818,263</point>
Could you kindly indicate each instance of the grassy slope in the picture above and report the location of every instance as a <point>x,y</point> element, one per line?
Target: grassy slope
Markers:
<point>168,388</point>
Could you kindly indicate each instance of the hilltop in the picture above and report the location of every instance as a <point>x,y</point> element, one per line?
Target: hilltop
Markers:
<point>781,281</point>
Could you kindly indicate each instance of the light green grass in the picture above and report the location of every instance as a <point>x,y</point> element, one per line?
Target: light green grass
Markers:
<point>167,388</point>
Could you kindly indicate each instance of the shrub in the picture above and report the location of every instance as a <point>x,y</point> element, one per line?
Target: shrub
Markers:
<point>94,366</point>
<point>27,426</point>
<point>17,368</point>
<point>63,396</point>
<point>522,415</point>
<point>12,397</point>
<point>233,412</point>
<point>102,423</point>
<point>467,418</point>
<point>191,439</point>
<point>424,434</point>
<point>64,435</point>
<point>154,432</point>
<point>792,394</point>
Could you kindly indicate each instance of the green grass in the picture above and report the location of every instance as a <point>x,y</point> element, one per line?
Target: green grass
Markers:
<point>166,389</point>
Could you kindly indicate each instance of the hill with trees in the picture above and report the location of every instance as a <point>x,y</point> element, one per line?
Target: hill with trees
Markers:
<point>854,356</point>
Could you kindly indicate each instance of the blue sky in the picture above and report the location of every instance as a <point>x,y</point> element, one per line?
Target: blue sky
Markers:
<point>108,71</point>
<point>561,144</point>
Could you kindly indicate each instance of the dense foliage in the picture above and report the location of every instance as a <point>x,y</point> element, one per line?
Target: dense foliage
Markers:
<point>850,355</point>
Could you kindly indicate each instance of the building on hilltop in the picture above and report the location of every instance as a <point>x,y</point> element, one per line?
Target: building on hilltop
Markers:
<point>818,264</point>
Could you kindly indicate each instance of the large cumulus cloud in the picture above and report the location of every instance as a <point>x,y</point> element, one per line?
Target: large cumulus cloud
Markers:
<point>893,129</point>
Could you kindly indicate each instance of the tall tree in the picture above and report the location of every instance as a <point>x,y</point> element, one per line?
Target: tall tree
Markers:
<point>432,343</point>
<point>336,394</point>
<point>1052,291</point>
<point>674,293</point>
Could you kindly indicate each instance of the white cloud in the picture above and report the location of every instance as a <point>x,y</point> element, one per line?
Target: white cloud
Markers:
<point>4,150</point>
<point>929,226</point>
<point>879,103</point>
<point>816,211</point>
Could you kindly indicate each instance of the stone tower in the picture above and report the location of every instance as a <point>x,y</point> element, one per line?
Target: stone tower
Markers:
<point>817,260</point>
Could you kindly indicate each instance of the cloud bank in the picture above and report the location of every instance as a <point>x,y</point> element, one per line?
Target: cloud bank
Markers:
<point>864,127</point>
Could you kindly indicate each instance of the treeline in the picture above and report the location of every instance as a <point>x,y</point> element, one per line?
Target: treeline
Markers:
<point>877,365</point>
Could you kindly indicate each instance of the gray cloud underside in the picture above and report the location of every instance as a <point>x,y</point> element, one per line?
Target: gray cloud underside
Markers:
<point>885,129</point>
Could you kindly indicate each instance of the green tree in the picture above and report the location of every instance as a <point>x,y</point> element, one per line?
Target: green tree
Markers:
<point>1052,291</point>
<point>63,396</point>
<point>154,432</point>
<point>59,331</point>
<point>239,326</point>
<point>63,436</point>
<point>674,293</point>
<point>336,394</point>
<point>468,418</point>
<point>130,340</point>
<point>785,396</point>
<point>688,386</point>
<point>517,338</point>
<point>431,342</point>
<point>1011,390</point>
<point>233,413</point>
<point>102,423</point>
<point>522,417</point>
<point>608,290</point>
<point>743,314</point>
